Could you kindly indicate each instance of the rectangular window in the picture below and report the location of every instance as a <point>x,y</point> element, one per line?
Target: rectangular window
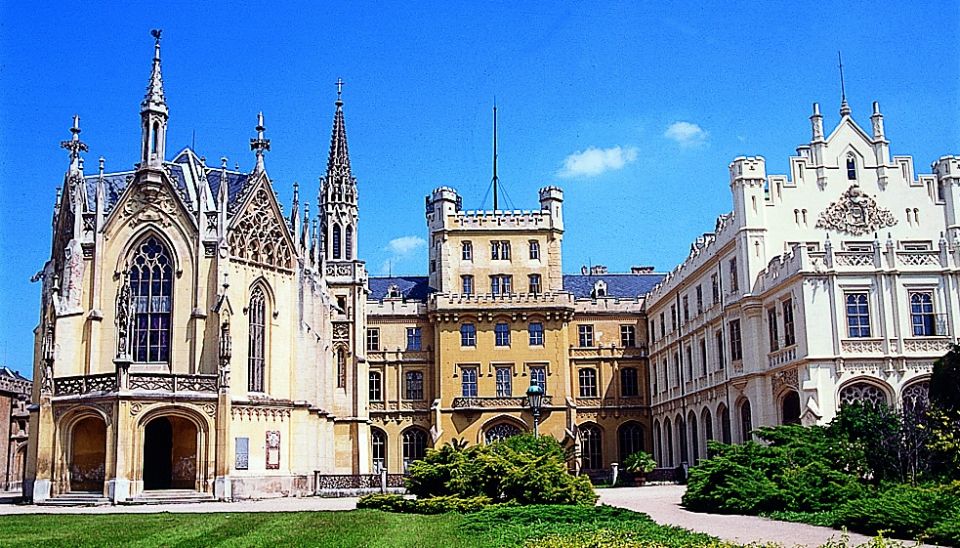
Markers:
<point>468,335</point>
<point>413,385</point>
<point>673,317</point>
<point>504,377</point>
<point>689,364</point>
<point>629,383</point>
<point>656,378</point>
<point>703,357</point>
<point>720,355</point>
<point>736,350</point>
<point>663,326</point>
<point>676,368</point>
<point>922,317</point>
<point>734,283</point>
<point>467,283</point>
<point>588,383</point>
<point>772,329</point>
<point>538,376</point>
<point>789,335</point>
<point>500,250</point>
<point>501,284</point>
<point>242,451</point>
<point>536,333</point>
<point>858,315</point>
<point>495,250</point>
<point>534,250</point>
<point>413,338</point>
<point>652,329</point>
<point>586,335</point>
<point>699,299</point>
<point>715,286</point>
<point>686,309</point>
<point>466,251</point>
<point>373,339</point>
<point>501,333</point>
<point>628,336</point>
<point>505,250</point>
<point>535,284</point>
<point>376,386</point>
<point>468,382</point>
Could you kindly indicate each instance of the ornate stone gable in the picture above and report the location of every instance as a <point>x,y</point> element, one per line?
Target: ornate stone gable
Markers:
<point>258,235</point>
<point>855,213</point>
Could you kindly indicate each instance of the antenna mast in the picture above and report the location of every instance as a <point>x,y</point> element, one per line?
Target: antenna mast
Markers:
<point>495,178</point>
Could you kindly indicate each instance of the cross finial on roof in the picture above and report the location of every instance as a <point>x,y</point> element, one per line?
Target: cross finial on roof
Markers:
<point>259,145</point>
<point>340,83</point>
<point>74,145</point>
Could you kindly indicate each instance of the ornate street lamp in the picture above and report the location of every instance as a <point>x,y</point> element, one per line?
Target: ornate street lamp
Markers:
<point>535,400</point>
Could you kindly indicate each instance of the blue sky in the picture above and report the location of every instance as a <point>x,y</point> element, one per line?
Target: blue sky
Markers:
<point>634,108</point>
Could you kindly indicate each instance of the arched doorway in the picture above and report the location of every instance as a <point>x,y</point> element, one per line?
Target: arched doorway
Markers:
<point>170,454</point>
<point>88,454</point>
<point>790,408</point>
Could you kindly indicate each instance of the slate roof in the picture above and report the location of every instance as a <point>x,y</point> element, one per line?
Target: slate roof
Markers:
<point>115,183</point>
<point>629,286</point>
<point>618,285</point>
<point>413,288</point>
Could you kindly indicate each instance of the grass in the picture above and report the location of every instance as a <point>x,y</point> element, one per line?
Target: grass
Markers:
<point>511,526</point>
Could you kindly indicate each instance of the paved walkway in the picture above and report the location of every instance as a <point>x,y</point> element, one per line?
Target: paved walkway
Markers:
<point>662,503</point>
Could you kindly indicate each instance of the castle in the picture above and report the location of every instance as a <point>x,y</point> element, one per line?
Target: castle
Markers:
<point>195,338</point>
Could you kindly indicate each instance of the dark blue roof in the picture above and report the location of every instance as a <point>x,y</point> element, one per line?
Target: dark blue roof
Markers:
<point>116,183</point>
<point>413,288</point>
<point>618,285</point>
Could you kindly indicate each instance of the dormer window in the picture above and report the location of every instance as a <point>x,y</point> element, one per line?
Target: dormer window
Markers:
<point>599,289</point>
<point>393,292</point>
<point>851,168</point>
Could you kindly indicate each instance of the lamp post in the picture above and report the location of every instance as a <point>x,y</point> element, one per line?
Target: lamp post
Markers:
<point>535,400</point>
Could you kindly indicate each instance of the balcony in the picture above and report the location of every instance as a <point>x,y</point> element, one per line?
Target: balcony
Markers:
<point>173,382</point>
<point>85,384</point>
<point>782,356</point>
<point>496,402</point>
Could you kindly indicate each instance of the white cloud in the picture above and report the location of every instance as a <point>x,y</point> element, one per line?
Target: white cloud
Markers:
<point>686,134</point>
<point>405,245</point>
<point>403,252</point>
<point>595,161</point>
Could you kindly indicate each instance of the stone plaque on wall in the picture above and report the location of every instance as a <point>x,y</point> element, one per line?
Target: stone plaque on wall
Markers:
<point>242,459</point>
<point>273,450</point>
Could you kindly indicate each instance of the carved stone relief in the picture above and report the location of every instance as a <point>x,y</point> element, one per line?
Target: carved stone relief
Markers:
<point>855,213</point>
<point>258,236</point>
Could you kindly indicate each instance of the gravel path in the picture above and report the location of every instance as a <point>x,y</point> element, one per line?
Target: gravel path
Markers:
<point>662,503</point>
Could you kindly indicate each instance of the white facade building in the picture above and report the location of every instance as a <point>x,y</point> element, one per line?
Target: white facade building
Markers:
<point>835,282</point>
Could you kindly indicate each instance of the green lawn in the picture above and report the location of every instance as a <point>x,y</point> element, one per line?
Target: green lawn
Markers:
<point>517,526</point>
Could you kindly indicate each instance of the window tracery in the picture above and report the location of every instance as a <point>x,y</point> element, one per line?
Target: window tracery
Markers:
<point>916,397</point>
<point>862,392</point>
<point>151,279</point>
<point>258,236</point>
<point>500,432</point>
<point>256,360</point>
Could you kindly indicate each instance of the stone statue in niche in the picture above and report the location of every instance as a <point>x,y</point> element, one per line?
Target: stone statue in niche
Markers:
<point>855,213</point>
<point>72,292</point>
<point>123,321</point>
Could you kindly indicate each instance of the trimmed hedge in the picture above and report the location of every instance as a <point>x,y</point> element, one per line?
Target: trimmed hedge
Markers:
<point>433,505</point>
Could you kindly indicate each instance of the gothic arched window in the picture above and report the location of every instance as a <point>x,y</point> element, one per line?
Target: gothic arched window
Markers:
<point>151,281</point>
<point>414,446</point>
<point>631,439</point>
<point>336,241</point>
<point>500,432</point>
<point>349,248</point>
<point>851,168</point>
<point>378,441</point>
<point>591,454</point>
<point>256,359</point>
<point>746,421</point>
<point>863,393</point>
<point>341,368</point>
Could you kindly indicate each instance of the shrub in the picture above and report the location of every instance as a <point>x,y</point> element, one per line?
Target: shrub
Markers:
<point>432,505</point>
<point>522,468</point>
<point>903,510</point>
<point>639,462</point>
<point>816,487</point>
<point>734,480</point>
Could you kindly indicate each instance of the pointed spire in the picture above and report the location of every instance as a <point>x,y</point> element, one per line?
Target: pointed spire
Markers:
<point>101,195</point>
<point>75,145</point>
<point>154,99</point>
<point>844,107</point>
<point>259,145</point>
<point>338,162</point>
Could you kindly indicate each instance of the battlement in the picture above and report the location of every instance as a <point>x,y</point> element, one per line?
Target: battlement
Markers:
<point>443,208</point>
<point>947,167</point>
<point>748,168</point>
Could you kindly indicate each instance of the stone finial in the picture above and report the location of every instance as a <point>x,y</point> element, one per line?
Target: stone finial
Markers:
<point>259,145</point>
<point>75,146</point>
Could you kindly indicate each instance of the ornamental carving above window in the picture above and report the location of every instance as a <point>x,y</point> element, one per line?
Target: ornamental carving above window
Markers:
<point>863,393</point>
<point>855,213</point>
<point>258,236</point>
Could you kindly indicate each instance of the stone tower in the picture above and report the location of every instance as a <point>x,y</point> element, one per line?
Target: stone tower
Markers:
<point>346,278</point>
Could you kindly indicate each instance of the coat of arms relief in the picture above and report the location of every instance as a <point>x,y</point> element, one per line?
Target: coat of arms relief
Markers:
<point>855,213</point>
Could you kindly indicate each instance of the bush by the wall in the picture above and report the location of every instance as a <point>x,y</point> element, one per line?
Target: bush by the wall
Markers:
<point>431,505</point>
<point>904,510</point>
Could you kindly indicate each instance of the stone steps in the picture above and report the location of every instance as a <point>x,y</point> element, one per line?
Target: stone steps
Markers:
<point>170,496</point>
<point>77,498</point>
